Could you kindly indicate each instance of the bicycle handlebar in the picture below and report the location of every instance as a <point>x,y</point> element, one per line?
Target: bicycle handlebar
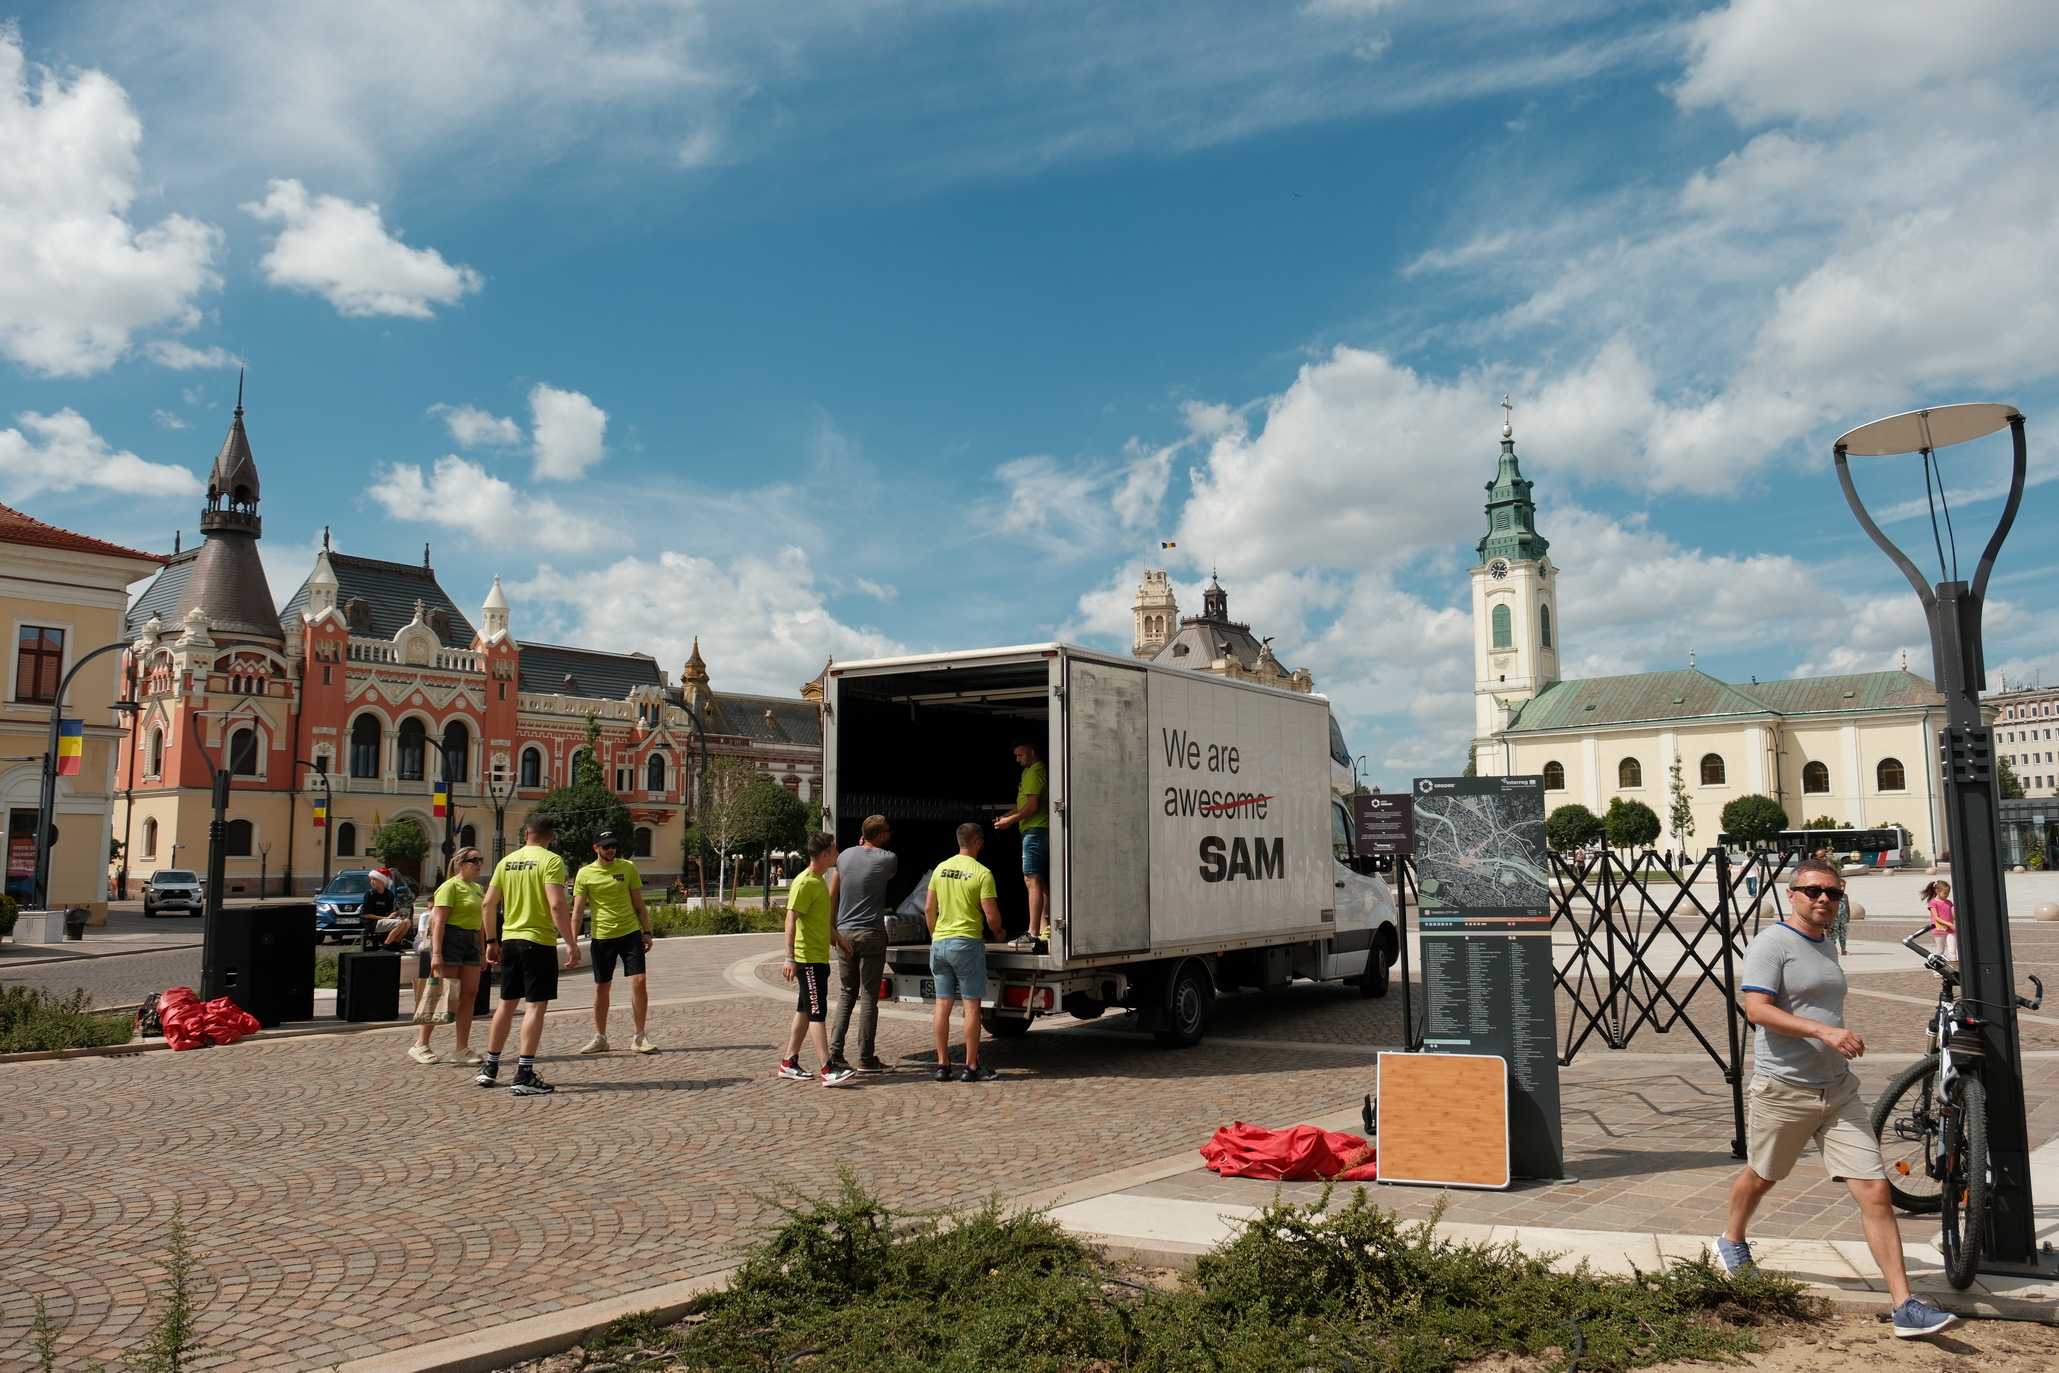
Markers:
<point>2039,1000</point>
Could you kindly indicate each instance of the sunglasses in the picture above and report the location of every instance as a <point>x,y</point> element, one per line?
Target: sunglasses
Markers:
<point>607,848</point>
<point>1818,893</point>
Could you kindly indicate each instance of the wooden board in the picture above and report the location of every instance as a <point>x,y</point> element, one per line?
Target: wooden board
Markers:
<point>1444,1119</point>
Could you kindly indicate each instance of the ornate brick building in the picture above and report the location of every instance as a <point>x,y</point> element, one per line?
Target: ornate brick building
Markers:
<point>371,678</point>
<point>1209,642</point>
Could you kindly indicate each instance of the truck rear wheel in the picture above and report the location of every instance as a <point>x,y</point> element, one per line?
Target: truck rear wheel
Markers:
<point>1189,994</point>
<point>1379,960</point>
<point>1005,1026</point>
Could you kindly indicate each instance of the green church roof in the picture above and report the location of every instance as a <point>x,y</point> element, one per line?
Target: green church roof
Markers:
<point>1689,694</point>
<point>1511,514</point>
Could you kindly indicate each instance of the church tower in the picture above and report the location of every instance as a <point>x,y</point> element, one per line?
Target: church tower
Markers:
<point>1157,614</point>
<point>1515,607</point>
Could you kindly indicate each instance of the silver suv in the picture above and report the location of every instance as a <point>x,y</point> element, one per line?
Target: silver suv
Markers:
<point>174,889</point>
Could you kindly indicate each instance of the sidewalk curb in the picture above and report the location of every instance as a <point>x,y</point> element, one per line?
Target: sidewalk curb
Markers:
<point>497,1346</point>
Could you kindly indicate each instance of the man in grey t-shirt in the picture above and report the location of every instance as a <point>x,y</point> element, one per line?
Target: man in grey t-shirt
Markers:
<point>858,954</point>
<point>1803,1090</point>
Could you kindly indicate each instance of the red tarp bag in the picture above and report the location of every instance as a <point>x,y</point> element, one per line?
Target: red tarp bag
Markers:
<point>226,1022</point>
<point>1301,1154</point>
<point>179,1011</point>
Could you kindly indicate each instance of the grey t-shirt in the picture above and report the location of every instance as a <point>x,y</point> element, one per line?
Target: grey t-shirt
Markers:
<point>1802,976</point>
<point>861,876</point>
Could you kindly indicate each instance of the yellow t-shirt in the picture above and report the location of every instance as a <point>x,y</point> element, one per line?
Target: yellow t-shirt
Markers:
<point>960,883</point>
<point>1036,781</point>
<point>523,877</point>
<point>606,887</point>
<point>809,901</point>
<point>463,898</point>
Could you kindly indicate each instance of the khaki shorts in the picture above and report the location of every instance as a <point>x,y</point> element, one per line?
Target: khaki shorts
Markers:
<point>1781,1118</point>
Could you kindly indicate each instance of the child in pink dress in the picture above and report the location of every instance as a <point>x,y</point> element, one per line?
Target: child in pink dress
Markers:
<point>1944,928</point>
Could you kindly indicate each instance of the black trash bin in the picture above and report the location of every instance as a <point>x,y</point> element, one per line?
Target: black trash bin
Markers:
<point>75,923</point>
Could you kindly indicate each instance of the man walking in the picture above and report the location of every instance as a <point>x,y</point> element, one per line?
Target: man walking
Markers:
<point>962,900</point>
<point>807,966</point>
<point>858,956</point>
<point>1803,1090</point>
<point>1033,818</point>
<point>612,889</point>
<point>529,886</point>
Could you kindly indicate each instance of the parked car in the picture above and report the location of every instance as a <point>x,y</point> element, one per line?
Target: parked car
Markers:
<point>340,906</point>
<point>174,889</point>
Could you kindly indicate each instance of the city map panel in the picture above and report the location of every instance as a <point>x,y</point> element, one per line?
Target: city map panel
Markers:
<point>1480,852</point>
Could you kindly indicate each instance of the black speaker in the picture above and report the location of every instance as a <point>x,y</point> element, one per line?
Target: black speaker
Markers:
<point>263,959</point>
<point>368,985</point>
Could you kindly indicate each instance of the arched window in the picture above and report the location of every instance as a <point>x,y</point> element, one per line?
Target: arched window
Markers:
<point>157,753</point>
<point>457,752</point>
<point>1891,775</point>
<point>1554,776</point>
<point>1544,625</point>
<point>572,773</point>
<point>150,837</point>
<point>1815,778</point>
<point>1713,772</point>
<point>412,749</point>
<point>532,768</point>
<point>654,773</point>
<point>641,847</point>
<point>346,840</point>
<point>1629,773</point>
<point>243,753</point>
<point>364,746</point>
<point>469,837</point>
<point>1504,635</point>
<point>236,839</point>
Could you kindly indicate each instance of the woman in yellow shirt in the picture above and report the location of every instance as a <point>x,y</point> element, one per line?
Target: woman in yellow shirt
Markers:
<point>454,953</point>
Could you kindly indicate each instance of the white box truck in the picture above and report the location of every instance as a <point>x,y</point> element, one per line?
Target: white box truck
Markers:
<point>1199,841</point>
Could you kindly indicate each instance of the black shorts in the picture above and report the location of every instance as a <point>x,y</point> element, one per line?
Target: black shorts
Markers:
<point>627,947</point>
<point>460,950</point>
<point>528,971</point>
<point>812,979</point>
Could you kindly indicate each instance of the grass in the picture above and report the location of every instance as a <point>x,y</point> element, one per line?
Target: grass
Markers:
<point>669,921</point>
<point>325,970</point>
<point>33,1019</point>
<point>838,1284</point>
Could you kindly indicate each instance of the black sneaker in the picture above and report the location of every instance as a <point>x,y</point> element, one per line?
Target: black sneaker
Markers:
<point>489,1076</point>
<point>945,1072</point>
<point>980,1074</point>
<point>527,1083</point>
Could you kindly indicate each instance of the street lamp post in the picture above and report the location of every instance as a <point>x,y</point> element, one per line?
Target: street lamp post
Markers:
<point>46,803</point>
<point>1966,758</point>
<point>328,817</point>
<point>500,791</point>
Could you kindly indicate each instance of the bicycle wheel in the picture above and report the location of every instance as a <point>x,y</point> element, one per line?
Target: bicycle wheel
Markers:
<point>1905,1121</point>
<point>1967,1179</point>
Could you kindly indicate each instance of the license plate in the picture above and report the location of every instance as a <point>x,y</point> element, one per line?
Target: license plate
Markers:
<point>929,989</point>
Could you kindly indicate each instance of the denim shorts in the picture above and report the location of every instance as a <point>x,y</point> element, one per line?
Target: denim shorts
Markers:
<point>1036,852</point>
<point>960,968</point>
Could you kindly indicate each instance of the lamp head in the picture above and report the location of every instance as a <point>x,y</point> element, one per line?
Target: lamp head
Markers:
<point>1922,431</point>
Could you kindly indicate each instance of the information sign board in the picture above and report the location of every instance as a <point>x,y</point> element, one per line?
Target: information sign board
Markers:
<point>1385,824</point>
<point>1484,903</point>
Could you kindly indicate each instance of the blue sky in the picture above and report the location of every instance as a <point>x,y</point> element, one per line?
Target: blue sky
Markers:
<point>849,327</point>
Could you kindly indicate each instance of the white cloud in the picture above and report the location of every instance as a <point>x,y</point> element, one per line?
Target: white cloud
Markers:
<point>568,429</point>
<point>472,427</point>
<point>61,452</point>
<point>343,252</point>
<point>180,358</point>
<point>465,496</point>
<point>761,620</point>
<point>876,590</point>
<point>169,420</point>
<point>80,279</point>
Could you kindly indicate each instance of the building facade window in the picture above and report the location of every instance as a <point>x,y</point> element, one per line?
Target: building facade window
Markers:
<point>468,837</point>
<point>157,753</point>
<point>1815,779</point>
<point>236,839</point>
<point>457,752</point>
<point>38,664</point>
<point>346,840</point>
<point>243,753</point>
<point>1504,634</point>
<point>364,746</point>
<point>532,768</point>
<point>572,772</point>
<point>1714,774</point>
<point>1629,774</point>
<point>642,845</point>
<point>654,773</point>
<point>150,837</point>
<point>1554,776</point>
<point>1891,775</point>
<point>412,752</point>
<point>1544,626</point>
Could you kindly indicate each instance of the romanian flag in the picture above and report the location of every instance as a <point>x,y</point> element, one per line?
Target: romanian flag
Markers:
<point>442,800</point>
<point>321,815</point>
<point>1168,545</point>
<point>71,747</point>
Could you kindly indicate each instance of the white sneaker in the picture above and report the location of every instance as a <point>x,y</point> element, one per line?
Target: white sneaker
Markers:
<point>597,1045</point>
<point>643,1045</point>
<point>422,1053</point>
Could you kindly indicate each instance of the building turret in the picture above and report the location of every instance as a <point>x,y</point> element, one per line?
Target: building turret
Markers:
<point>1515,590</point>
<point>228,577</point>
<point>493,616</point>
<point>693,678</point>
<point>321,589</point>
<point>1157,614</point>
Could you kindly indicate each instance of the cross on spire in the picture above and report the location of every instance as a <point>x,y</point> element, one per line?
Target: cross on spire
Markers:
<point>1508,419</point>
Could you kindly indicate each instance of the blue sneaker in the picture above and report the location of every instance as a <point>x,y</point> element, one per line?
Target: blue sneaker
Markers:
<point>1916,1318</point>
<point>1734,1255</point>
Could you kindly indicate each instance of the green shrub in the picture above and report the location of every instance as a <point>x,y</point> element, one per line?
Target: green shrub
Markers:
<point>325,970</point>
<point>669,921</point>
<point>32,1020</point>
<point>1571,826</point>
<point>10,910</point>
<point>1753,819</point>
<point>1631,824</point>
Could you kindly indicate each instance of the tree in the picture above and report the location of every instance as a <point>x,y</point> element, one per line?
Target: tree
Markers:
<point>1827,822</point>
<point>586,807</point>
<point>2012,785</point>
<point>1681,814</point>
<point>1631,824</point>
<point>1571,826</point>
<point>399,842</point>
<point>1472,761</point>
<point>723,812</point>
<point>1753,820</point>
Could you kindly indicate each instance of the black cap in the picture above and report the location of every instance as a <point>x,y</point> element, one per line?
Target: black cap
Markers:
<point>606,837</point>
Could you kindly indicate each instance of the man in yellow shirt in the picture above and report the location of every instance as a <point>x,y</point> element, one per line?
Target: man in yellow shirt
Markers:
<point>807,965</point>
<point>1033,817</point>
<point>612,889</point>
<point>962,901</point>
<point>524,915</point>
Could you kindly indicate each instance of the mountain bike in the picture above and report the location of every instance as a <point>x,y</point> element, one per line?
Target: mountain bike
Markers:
<point>1932,1124</point>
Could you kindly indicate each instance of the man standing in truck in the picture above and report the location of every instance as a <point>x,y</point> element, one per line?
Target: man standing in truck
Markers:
<point>962,904</point>
<point>1033,818</point>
